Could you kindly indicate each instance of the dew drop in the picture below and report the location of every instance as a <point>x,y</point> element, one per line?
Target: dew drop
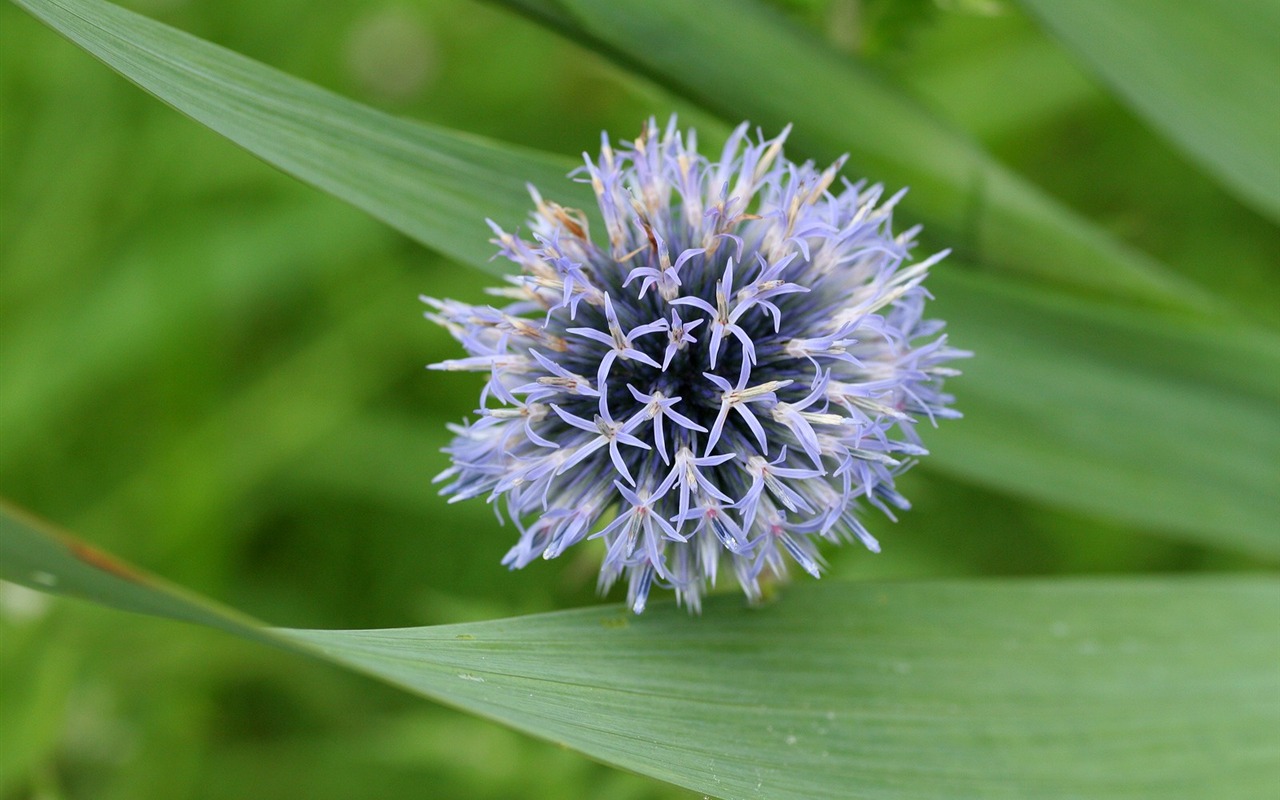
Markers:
<point>20,604</point>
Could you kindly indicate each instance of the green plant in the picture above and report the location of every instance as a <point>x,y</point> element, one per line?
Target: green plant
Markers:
<point>1123,412</point>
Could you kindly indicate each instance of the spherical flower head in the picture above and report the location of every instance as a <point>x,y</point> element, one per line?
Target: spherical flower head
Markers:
<point>722,377</point>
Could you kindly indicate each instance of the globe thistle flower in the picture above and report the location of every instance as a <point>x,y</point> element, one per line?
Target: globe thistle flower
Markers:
<point>723,377</point>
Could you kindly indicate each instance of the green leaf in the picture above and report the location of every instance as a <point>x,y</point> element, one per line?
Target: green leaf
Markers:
<point>1117,413</point>
<point>1112,439</point>
<point>1053,689</point>
<point>744,60</point>
<point>35,554</point>
<point>433,184</point>
<point>1204,73</point>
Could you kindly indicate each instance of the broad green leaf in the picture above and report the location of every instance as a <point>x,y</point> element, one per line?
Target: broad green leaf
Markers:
<point>1117,413</point>
<point>744,60</point>
<point>1053,689</point>
<point>1084,450</point>
<point>1206,74</point>
<point>433,184</point>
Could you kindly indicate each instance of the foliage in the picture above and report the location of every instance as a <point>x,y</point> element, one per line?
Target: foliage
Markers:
<point>214,371</point>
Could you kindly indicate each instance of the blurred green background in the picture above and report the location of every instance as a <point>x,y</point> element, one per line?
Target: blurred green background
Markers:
<point>216,372</point>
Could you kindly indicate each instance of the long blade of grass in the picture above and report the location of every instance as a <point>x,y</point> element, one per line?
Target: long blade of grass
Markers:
<point>1053,689</point>
<point>35,554</point>
<point>1205,74</point>
<point>1117,413</point>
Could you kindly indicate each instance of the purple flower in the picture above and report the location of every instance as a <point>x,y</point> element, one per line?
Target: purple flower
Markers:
<point>720,377</point>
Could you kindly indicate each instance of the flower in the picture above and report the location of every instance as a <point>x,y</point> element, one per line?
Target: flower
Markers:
<point>722,377</point>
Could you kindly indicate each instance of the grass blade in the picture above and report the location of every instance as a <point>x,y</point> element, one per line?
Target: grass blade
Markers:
<point>1203,73</point>
<point>1106,688</point>
<point>35,554</point>
<point>1117,413</point>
